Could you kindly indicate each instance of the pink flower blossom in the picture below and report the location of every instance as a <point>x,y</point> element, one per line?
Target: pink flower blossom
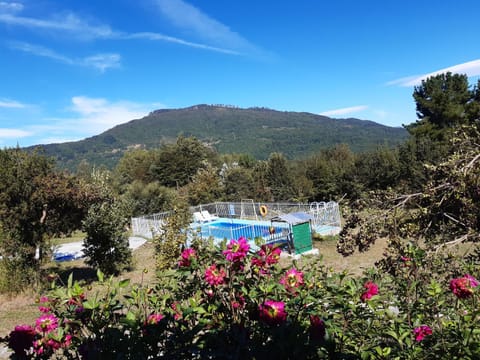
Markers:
<point>421,332</point>
<point>272,312</point>
<point>21,339</point>
<point>67,341</point>
<point>44,301</point>
<point>215,276</point>
<point>292,279</point>
<point>178,314</point>
<point>266,256</point>
<point>46,323</point>
<point>317,328</point>
<point>188,255</point>
<point>154,319</point>
<point>463,287</point>
<point>237,249</point>
<point>372,290</point>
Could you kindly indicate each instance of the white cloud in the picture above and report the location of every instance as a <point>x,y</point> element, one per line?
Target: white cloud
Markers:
<point>76,28</point>
<point>97,114</point>
<point>161,37</point>
<point>10,7</point>
<point>186,16</point>
<point>7,103</point>
<point>13,133</point>
<point>344,111</point>
<point>68,23</point>
<point>100,62</point>
<point>470,68</point>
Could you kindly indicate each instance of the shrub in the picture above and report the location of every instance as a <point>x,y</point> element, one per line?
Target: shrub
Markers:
<point>232,303</point>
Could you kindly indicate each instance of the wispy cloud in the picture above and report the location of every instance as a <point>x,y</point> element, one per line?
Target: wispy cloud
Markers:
<point>67,23</point>
<point>10,7</point>
<point>8,103</point>
<point>471,68</point>
<point>13,133</point>
<point>100,62</point>
<point>190,18</point>
<point>161,37</point>
<point>220,38</point>
<point>344,111</point>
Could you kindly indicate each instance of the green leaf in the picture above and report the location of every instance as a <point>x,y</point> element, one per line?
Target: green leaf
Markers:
<point>100,275</point>
<point>123,283</point>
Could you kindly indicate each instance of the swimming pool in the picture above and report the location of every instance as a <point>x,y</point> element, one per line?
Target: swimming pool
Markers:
<point>223,228</point>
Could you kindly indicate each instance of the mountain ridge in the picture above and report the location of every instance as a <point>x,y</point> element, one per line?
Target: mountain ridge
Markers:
<point>257,131</point>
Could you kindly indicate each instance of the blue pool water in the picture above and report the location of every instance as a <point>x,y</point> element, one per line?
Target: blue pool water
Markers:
<point>234,229</point>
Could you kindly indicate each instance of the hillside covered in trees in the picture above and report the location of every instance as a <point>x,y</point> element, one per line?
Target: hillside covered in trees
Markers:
<point>254,131</point>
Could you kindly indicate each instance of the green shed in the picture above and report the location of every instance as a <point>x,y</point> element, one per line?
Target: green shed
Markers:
<point>300,235</point>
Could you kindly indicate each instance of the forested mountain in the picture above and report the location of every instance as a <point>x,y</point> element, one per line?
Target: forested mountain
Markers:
<point>254,131</point>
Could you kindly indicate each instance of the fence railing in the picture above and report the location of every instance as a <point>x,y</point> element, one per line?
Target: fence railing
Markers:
<point>323,214</point>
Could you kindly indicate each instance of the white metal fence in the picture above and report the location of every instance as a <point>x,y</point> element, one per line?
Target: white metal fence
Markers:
<point>324,214</point>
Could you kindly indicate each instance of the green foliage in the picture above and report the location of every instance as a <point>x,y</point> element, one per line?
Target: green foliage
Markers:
<point>106,244</point>
<point>279,177</point>
<point>169,242</point>
<point>205,186</point>
<point>176,164</point>
<point>251,308</point>
<point>443,102</point>
<point>148,198</point>
<point>238,183</point>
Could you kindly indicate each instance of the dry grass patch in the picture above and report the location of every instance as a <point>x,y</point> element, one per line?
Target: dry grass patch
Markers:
<point>22,308</point>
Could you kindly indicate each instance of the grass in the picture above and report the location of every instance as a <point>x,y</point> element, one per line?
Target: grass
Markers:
<point>74,237</point>
<point>22,309</point>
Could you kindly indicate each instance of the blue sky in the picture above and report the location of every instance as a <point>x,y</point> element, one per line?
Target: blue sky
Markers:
<point>71,69</point>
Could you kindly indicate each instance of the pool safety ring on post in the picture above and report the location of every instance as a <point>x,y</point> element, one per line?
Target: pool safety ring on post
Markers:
<point>263,210</point>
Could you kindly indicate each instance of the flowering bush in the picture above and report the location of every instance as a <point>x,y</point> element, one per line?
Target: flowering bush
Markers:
<point>231,303</point>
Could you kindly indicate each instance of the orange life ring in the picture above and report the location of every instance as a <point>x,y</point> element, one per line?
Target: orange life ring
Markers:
<point>263,210</point>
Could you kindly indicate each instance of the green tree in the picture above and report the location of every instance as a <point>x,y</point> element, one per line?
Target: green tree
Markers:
<point>176,164</point>
<point>441,103</point>
<point>169,243</point>
<point>106,245</point>
<point>279,177</point>
<point>205,187</point>
<point>378,169</point>
<point>135,166</point>
<point>148,198</point>
<point>239,183</point>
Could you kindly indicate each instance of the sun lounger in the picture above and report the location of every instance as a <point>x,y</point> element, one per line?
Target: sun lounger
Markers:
<point>198,217</point>
<point>207,216</point>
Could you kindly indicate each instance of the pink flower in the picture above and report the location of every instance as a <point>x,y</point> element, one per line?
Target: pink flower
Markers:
<point>21,339</point>
<point>154,319</point>
<point>67,341</point>
<point>178,314</point>
<point>237,249</point>
<point>266,256</point>
<point>46,323</point>
<point>43,308</point>
<point>272,312</point>
<point>214,276</point>
<point>421,332</point>
<point>372,289</point>
<point>317,328</point>
<point>463,287</point>
<point>188,255</point>
<point>292,279</point>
